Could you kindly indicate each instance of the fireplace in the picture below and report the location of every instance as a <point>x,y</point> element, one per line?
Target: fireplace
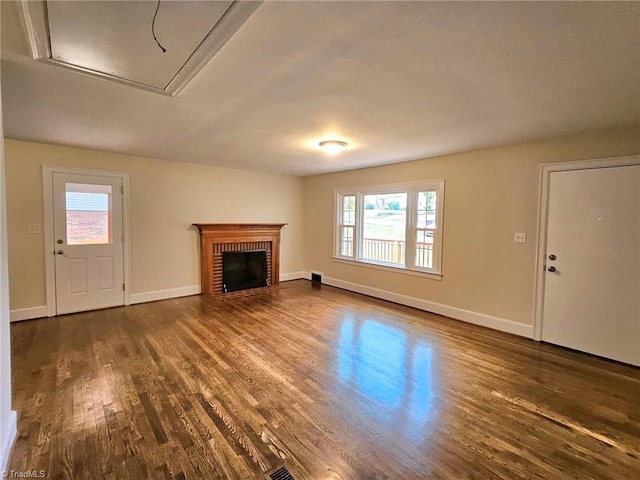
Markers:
<point>220,240</point>
<point>244,270</point>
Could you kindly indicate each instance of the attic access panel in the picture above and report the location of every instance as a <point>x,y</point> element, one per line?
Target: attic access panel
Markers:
<point>113,39</point>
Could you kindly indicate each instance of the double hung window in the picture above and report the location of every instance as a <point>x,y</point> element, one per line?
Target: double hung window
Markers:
<point>397,226</point>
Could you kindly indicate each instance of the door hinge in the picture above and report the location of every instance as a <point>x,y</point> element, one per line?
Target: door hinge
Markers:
<point>123,289</point>
<point>121,188</point>
<point>122,238</point>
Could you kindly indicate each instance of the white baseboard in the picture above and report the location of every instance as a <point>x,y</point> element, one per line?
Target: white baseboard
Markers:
<point>40,312</point>
<point>468,316</point>
<point>165,294</point>
<point>194,290</point>
<point>285,277</point>
<point>27,313</point>
<point>7,439</point>
<point>456,313</point>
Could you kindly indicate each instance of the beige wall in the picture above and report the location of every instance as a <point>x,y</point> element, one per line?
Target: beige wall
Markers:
<point>489,195</point>
<point>166,198</point>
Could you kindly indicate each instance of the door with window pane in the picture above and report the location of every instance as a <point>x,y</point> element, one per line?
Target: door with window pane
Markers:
<point>89,268</point>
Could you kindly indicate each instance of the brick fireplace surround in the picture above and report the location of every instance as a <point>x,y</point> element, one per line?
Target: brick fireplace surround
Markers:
<point>216,238</point>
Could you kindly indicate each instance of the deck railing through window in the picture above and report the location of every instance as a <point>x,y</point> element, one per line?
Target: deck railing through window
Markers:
<point>393,251</point>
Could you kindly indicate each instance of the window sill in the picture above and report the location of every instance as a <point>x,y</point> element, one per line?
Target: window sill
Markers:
<point>389,268</point>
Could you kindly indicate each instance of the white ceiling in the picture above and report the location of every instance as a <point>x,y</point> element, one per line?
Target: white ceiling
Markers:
<point>396,80</point>
<point>121,33</point>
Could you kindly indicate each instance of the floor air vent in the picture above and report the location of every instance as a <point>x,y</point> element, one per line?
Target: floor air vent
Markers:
<point>281,474</point>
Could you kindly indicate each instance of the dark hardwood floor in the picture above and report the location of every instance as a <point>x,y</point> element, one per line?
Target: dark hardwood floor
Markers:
<point>332,384</point>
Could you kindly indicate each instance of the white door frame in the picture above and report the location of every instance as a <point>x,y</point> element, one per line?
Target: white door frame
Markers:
<point>49,240</point>
<point>543,216</point>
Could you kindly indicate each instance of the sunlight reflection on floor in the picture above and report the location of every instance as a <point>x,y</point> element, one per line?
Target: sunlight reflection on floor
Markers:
<point>392,373</point>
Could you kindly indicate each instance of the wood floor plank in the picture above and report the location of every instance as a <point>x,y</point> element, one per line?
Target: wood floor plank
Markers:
<point>332,384</point>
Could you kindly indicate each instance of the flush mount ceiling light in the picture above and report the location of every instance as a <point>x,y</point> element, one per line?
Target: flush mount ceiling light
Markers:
<point>333,147</point>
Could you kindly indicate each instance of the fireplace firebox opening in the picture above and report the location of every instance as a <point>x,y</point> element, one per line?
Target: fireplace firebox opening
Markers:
<point>244,269</point>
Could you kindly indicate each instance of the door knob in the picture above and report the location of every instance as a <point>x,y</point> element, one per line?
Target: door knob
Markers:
<point>60,252</point>
<point>552,257</point>
<point>552,269</point>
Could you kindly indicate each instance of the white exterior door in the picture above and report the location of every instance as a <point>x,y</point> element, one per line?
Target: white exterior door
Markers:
<point>88,235</point>
<point>592,277</point>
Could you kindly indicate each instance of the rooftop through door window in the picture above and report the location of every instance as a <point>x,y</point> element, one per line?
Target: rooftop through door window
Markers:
<point>88,214</point>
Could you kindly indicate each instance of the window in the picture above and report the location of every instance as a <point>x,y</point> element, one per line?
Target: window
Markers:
<point>88,213</point>
<point>347,224</point>
<point>425,228</point>
<point>397,226</point>
<point>384,228</point>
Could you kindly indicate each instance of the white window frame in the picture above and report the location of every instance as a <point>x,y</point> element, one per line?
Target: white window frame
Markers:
<point>340,225</point>
<point>411,190</point>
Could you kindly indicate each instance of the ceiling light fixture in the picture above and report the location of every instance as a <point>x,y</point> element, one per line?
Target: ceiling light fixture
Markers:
<point>333,147</point>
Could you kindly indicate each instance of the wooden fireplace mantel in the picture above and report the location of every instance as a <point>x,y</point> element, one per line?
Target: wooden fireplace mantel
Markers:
<point>213,236</point>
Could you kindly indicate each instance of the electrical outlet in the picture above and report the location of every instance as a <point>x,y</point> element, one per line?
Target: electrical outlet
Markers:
<point>520,237</point>
<point>33,228</point>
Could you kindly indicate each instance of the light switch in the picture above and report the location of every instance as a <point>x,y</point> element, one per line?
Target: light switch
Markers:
<point>33,228</point>
<point>520,237</point>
